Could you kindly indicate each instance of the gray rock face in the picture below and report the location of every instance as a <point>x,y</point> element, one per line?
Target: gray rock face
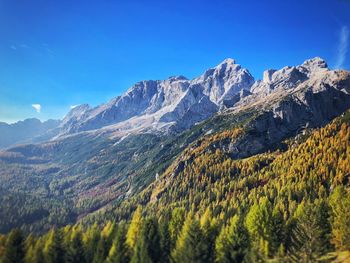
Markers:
<point>224,81</point>
<point>74,116</point>
<point>289,77</point>
<point>285,111</point>
<point>176,102</point>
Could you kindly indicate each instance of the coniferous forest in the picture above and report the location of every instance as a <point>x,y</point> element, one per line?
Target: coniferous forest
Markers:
<point>287,205</point>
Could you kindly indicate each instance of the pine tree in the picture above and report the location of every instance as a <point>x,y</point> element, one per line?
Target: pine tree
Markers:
<point>14,248</point>
<point>165,241</point>
<point>53,247</point>
<point>210,230</point>
<point>119,250</point>
<point>35,253</point>
<point>134,229</point>
<point>90,241</point>
<point>340,205</point>
<point>108,233</point>
<point>278,231</point>
<point>75,249</point>
<point>259,224</point>
<point>176,223</point>
<point>101,251</point>
<point>105,243</point>
<point>148,246</point>
<point>310,239</point>
<point>233,242</point>
<point>191,245</point>
<point>29,242</point>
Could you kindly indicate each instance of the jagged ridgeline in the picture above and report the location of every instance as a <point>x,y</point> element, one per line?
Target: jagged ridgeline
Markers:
<point>216,144</point>
<point>290,205</point>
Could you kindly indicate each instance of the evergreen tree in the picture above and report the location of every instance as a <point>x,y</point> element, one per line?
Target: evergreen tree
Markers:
<point>310,238</point>
<point>29,242</point>
<point>278,231</point>
<point>14,248</point>
<point>75,249</point>
<point>119,250</point>
<point>165,241</point>
<point>35,253</point>
<point>340,205</point>
<point>191,245</point>
<point>105,243</point>
<point>210,231</point>
<point>101,251</point>
<point>53,248</point>
<point>260,227</point>
<point>148,245</point>
<point>90,241</point>
<point>108,232</point>
<point>140,254</point>
<point>134,229</point>
<point>233,242</point>
<point>175,224</point>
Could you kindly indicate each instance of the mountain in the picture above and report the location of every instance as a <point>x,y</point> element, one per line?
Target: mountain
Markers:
<point>176,103</point>
<point>24,131</point>
<point>100,158</point>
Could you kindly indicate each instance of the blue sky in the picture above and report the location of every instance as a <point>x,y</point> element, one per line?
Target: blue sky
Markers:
<point>63,53</point>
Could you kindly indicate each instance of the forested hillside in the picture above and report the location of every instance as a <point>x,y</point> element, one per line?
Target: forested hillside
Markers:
<point>171,143</point>
<point>288,205</point>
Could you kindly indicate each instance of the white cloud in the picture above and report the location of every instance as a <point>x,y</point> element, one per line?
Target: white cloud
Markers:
<point>343,46</point>
<point>73,106</point>
<point>37,107</point>
<point>24,46</point>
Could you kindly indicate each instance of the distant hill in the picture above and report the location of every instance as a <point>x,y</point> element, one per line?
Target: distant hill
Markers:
<point>24,131</point>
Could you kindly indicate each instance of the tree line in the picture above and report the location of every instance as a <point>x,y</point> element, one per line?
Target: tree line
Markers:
<point>318,230</point>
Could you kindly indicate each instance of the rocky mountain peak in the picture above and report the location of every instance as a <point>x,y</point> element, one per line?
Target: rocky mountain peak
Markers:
<point>225,81</point>
<point>74,116</point>
<point>177,78</point>
<point>77,111</point>
<point>313,66</point>
<point>315,63</point>
<point>228,61</point>
<point>290,76</point>
<point>179,102</point>
<point>226,67</point>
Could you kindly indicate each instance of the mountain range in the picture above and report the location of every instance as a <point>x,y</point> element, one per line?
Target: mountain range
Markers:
<point>24,131</point>
<point>98,158</point>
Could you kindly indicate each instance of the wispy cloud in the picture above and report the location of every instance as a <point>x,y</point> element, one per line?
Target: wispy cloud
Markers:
<point>48,50</point>
<point>342,47</point>
<point>42,49</point>
<point>37,107</point>
<point>24,46</point>
<point>73,106</point>
<point>21,46</point>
